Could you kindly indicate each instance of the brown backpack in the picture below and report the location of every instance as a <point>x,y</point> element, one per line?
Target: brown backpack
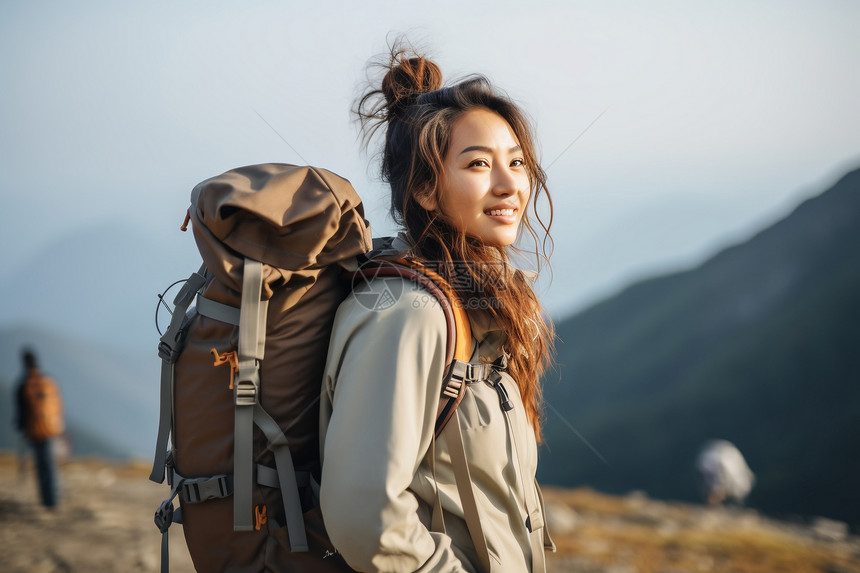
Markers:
<point>44,418</point>
<point>241,370</point>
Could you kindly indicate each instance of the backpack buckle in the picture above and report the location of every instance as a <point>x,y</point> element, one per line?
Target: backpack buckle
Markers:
<point>197,490</point>
<point>247,385</point>
<point>170,352</point>
<point>164,515</point>
<point>460,371</point>
<point>468,372</point>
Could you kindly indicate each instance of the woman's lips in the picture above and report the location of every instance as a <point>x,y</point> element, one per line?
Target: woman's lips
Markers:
<point>507,215</point>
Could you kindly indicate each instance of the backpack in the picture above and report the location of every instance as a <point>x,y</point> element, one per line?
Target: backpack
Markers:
<point>242,368</point>
<point>44,418</point>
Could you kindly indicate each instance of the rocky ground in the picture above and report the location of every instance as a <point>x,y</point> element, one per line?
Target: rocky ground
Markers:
<point>104,524</point>
<point>598,533</point>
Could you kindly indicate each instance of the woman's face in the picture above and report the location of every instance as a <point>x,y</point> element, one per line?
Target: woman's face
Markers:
<point>485,187</point>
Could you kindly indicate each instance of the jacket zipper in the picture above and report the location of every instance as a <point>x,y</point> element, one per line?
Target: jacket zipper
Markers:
<point>505,402</point>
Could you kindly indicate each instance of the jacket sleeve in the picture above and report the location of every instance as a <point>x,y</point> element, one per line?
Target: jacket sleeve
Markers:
<point>384,378</point>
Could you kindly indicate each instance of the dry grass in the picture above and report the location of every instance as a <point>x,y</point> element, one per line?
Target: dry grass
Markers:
<point>644,536</point>
<point>105,524</point>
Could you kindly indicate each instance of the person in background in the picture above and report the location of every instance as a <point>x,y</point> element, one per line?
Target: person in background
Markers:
<point>39,417</point>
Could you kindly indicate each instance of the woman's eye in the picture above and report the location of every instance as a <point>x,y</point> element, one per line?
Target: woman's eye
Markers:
<point>517,163</point>
<point>479,163</point>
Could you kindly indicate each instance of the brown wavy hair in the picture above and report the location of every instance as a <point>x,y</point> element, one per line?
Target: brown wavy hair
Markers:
<point>418,115</point>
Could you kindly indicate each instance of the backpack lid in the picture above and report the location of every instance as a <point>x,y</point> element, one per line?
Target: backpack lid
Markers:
<point>296,220</point>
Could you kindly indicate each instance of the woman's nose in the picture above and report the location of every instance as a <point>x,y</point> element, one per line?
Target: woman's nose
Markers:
<point>505,181</point>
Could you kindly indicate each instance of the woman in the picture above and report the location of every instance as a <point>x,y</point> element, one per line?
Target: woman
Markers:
<point>462,168</point>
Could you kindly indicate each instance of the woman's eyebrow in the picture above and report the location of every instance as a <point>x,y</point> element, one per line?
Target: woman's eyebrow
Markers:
<point>513,149</point>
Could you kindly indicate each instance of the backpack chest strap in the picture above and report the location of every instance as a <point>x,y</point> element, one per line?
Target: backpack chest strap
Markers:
<point>459,376</point>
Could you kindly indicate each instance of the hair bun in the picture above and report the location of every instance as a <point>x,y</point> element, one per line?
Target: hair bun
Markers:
<point>408,78</point>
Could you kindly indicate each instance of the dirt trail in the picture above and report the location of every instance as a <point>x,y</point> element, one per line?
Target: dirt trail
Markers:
<point>105,524</point>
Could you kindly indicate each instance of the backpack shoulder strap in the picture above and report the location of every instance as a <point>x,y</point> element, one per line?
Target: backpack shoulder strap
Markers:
<point>459,331</point>
<point>459,371</point>
<point>463,479</point>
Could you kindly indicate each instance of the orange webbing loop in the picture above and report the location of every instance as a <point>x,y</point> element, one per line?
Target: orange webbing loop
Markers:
<point>230,358</point>
<point>184,226</point>
<point>260,518</point>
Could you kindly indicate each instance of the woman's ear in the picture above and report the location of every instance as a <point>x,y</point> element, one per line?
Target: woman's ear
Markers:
<point>428,201</point>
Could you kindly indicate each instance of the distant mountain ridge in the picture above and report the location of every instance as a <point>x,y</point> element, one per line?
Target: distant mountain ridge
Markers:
<point>87,306</point>
<point>758,345</point>
<point>99,283</point>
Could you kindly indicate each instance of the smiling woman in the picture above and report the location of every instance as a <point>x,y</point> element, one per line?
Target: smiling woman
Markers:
<point>463,172</point>
<point>485,185</point>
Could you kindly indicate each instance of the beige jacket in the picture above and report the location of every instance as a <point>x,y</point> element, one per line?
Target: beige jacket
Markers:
<point>380,394</point>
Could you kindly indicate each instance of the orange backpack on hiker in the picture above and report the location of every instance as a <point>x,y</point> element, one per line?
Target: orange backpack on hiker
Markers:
<point>243,358</point>
<point>44,408</point>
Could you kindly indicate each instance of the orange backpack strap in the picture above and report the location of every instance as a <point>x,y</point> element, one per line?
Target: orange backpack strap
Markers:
<point>459,331</point>
<point>460,346</point>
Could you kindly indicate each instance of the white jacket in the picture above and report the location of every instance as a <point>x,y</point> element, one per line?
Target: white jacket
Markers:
<point>380,395</point>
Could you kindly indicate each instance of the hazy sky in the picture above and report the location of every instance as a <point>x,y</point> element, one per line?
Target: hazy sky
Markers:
<point>719,116</point>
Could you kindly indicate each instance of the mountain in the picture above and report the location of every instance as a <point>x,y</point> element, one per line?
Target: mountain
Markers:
<point>757,345</point>
<point>110,396</point>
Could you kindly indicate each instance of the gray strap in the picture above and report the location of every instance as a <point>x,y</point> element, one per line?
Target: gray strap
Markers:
<point>548,543</point>
<point>198,490</point>
<point>268,477</point>
<point>534,520</point>
<point>536,540</point>
<point>242,469</point>
<point>246,391</point>
<point>165,515</point>
<point>168,349</point>
<point>252,332</point>
<point>534,508</point>
<point>165,552</point>
<point>217,310</point>
<point>287,478</point>
<point>454,437</point>
<point>437,521</point>
<point>165,420</point>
